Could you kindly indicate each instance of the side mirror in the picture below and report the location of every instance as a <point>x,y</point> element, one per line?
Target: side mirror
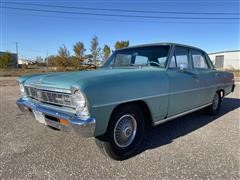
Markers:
<point>183,67</point>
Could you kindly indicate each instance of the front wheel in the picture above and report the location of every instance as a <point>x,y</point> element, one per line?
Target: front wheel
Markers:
<point>213,109</point>
<point>125,133</point>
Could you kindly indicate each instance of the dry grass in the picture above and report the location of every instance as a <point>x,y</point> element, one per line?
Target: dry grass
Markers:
<point>21,72</point>
<point>235,72</point>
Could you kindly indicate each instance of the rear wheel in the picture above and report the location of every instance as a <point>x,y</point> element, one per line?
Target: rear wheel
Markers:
<point>125,133</point>
<point>216,104</point>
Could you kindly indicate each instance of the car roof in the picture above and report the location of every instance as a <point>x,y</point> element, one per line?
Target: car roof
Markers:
<point>160,44</point>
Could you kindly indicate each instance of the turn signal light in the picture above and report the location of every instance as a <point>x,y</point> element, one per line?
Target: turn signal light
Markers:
<point>64,122</point>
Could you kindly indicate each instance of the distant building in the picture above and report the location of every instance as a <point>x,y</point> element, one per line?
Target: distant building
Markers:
<point>14,61</point>
<point>226,59</point>
<point>22,61</point>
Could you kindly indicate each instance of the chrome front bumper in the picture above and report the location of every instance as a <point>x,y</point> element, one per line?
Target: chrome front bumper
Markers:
<point>53,118</point>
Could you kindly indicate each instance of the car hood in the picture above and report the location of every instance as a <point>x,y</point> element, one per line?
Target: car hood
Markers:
<point>65,80</point>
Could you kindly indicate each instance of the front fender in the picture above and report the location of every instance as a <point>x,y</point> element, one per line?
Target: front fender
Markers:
<point>105,93</point>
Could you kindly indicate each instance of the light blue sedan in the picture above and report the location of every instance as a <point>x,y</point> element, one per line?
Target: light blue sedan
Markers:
<point>138,86</point>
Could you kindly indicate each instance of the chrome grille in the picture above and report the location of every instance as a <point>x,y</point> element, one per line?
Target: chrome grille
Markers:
<point>50,97</point>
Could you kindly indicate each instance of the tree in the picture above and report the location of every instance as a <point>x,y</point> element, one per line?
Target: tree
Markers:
<point>39,59</point>
<point>95,50</point>
<point>106,52</point>
<point>52,60</point>
<point>121,44</point>
<point>5,59</point>
<point>63,57</point>
<point>79,51</point>
<point>63,52</point>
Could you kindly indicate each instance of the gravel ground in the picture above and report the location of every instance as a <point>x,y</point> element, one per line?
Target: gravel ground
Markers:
<point>192,147</point>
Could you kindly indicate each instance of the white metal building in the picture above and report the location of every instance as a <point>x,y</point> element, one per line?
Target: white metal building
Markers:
<point>226,59</point>
<point>22,61</point>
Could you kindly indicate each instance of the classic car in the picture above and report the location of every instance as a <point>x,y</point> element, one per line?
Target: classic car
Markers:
<point>137,86</point>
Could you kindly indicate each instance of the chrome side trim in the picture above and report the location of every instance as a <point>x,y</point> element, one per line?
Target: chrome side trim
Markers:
<point>129,100</point>
<point>189,90</point>
<point>201,88</point>
<point>159,95</point>
<point>179,115</point>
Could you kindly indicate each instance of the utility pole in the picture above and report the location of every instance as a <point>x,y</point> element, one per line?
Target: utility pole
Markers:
<point>47,58</point>
<point>17,53</point>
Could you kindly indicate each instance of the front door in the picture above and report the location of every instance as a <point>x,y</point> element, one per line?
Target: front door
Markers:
<point>183,83</point>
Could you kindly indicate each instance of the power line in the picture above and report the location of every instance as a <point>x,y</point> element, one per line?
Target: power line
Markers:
<point>124,1</point>
<point>121,15</point>
<point>122,20</point>
<point>123,10</point>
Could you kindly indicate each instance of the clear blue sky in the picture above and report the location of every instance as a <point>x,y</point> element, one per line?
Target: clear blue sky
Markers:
<point>39,32</point>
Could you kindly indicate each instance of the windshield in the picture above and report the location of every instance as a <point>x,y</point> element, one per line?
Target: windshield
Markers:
<point>140,56</point>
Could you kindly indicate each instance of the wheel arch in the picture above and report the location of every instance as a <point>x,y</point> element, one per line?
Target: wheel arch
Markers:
<point>147,113</point>
<point>221,92</point>
<point>140,103</point>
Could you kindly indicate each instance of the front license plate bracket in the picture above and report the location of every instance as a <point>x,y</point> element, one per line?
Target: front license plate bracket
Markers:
<point>39,117</point>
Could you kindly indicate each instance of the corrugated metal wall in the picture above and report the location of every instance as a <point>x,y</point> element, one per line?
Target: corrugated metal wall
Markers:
<point>226,60</point>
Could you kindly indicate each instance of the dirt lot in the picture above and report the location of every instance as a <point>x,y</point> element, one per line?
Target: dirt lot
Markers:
<point>192,147</point>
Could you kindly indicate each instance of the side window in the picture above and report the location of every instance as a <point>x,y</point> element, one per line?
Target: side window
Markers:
<point>162,61</point>
<point>199,61</point>
<point>122,59</point>
<point>141,60</point>
<point>181,55</point>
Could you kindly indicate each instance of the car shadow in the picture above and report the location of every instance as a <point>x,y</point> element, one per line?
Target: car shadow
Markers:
<point>166,133</point>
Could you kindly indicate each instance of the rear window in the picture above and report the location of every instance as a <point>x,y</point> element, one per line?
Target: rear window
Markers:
<point>199,61</point>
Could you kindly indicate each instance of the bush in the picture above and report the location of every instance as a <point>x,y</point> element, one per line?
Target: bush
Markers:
<point>24,66</point>
<point>5,60</point>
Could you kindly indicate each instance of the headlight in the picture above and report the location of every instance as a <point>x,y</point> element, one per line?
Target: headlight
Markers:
<point>79,101</point>
<point>22,90</point>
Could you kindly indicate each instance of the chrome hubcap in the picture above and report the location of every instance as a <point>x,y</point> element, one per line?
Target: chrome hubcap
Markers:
<point>215,101</point>
<point>125,130</point>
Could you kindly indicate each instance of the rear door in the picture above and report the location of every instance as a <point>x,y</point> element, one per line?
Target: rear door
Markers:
<point>183,84</point>
<point>207,76</point>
